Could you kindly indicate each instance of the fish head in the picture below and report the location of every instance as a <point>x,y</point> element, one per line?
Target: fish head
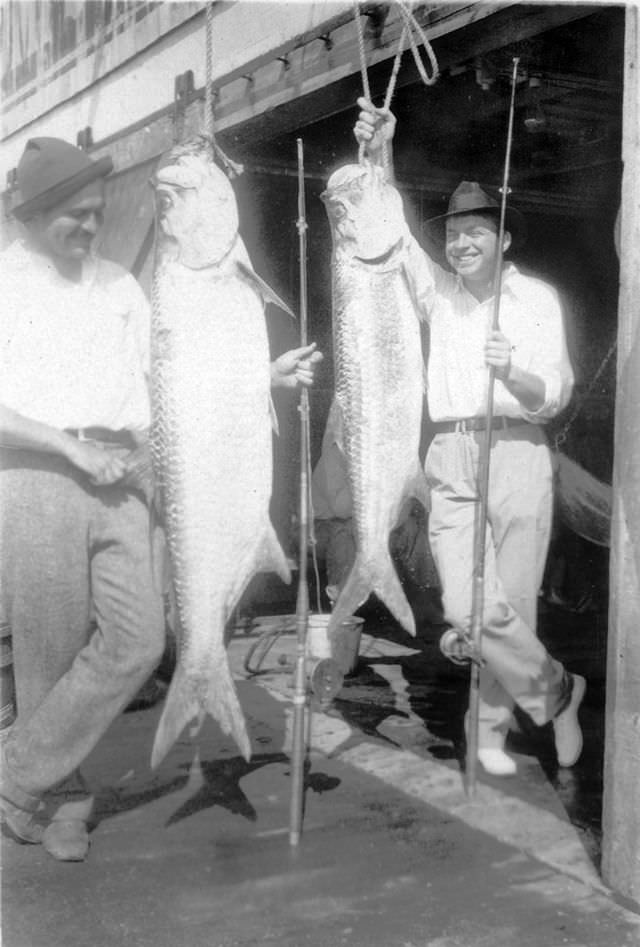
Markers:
<point>196,209</point>
<point>365,212</point>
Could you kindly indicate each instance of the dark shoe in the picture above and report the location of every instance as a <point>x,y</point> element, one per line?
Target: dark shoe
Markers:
<point>566,726</point>
<point>67,840</point>
<point>18,811</point>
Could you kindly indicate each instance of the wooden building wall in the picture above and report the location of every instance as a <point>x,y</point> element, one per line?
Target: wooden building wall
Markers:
<point>621,798</point>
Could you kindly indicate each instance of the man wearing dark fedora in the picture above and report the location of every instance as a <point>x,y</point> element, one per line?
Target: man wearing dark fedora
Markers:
<point>534,382</point>
<point>75,537</point>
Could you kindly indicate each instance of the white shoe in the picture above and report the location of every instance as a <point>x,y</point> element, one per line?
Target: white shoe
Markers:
<point>495,762</point>
<point>566,727</point>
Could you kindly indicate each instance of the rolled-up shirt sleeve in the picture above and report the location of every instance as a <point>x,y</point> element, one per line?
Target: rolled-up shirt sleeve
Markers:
<point>548,355</point>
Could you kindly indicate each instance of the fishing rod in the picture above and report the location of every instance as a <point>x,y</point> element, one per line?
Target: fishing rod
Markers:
<point>298,747</point>
<point>477,601</point>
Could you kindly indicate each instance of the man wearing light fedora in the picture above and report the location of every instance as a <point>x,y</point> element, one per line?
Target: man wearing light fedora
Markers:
<point>75,537</point>
<point>534,381</point>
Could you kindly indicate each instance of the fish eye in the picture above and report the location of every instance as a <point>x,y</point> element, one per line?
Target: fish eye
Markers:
<point>338,210</point>
<point>164,201</point>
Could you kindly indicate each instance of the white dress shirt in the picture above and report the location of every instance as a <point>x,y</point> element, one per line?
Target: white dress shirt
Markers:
<point>73,355</point>
<point>530,316</point>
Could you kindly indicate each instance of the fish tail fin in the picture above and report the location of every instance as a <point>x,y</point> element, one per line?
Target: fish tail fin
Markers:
<point>379,577</point>
<point>185,703</point>
<point>271,557</point>
<point>388,588</point>
<point>353,594</point>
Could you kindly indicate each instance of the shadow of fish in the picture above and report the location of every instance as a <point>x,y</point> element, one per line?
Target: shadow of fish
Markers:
<point>379,377</point>
<point>211,430</point>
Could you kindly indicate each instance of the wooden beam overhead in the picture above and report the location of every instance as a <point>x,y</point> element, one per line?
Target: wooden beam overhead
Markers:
<point>318,82</point>
<point>321,79</point>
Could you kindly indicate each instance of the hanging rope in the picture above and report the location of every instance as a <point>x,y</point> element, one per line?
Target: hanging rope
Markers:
<point>232,168</point>
<point>410,26</point>
<point>208,92</point>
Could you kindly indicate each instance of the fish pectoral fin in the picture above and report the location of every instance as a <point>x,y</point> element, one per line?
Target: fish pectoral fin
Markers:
<point>411,286</point>
<point>271,557</point>
<point>274,416</point>
<point>418,487</point>
<point>263,288</point>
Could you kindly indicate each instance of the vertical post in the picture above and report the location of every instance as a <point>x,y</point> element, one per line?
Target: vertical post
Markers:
<point>298,739</point>
<point>621,812</point>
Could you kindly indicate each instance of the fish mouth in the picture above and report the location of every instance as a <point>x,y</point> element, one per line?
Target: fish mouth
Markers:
<point>382,258</point>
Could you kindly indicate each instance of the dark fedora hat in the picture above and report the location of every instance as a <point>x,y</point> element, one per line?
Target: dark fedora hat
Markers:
<point>50,170</point>
<point>470,198</point>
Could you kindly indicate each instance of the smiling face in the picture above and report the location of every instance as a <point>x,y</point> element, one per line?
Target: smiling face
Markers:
<point>65,232</point>
<point>471,247</point>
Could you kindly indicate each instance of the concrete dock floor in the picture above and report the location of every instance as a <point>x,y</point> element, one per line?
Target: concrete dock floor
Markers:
<point>393,853</point>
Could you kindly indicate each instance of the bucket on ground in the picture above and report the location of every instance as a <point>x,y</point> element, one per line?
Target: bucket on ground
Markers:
<point>343,646</point>
<point>7,685</point>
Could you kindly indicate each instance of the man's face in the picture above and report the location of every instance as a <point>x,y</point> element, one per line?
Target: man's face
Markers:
<point>68,229</point>
<point>472,245</point>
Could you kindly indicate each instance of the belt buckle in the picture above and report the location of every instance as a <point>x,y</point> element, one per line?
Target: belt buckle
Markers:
<point>81,434</point>
<point>461,426</point>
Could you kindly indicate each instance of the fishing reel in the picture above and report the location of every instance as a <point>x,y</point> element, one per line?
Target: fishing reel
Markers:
<point>324,680</point>
<point>458,647</point>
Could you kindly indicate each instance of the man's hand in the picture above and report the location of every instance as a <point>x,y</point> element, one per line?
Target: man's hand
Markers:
<point>375,127</point>
<point>497,352</point>
<point>101,466</point>
<point>296,367</point>
<point>527,388</point>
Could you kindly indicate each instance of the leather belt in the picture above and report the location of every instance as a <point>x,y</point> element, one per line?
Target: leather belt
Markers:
<point>103,435</point>
<point>465,425</point>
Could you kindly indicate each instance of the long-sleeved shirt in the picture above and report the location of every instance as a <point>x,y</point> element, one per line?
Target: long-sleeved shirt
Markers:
<point>457,377</point>
<point>73,355</point>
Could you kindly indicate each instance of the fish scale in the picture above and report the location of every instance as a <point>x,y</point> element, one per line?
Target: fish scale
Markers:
<point>211,441</point>
<point>379,382</point>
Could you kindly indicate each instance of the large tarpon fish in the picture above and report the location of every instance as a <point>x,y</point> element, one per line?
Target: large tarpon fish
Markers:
<point>211,433</point>
<point>379,377</point>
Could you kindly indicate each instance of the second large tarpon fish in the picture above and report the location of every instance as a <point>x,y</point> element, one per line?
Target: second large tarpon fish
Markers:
<point>211,435</point>
<point>379,377</point>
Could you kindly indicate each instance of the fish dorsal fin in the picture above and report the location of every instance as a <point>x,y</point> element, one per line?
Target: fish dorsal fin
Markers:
<point>261,287</point>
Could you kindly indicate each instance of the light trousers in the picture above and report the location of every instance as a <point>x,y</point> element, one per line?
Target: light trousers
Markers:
<point>86,616</point>
<point>518,668</point>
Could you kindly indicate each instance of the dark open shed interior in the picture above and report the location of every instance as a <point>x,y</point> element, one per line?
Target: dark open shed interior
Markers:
<point>565,176</point>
